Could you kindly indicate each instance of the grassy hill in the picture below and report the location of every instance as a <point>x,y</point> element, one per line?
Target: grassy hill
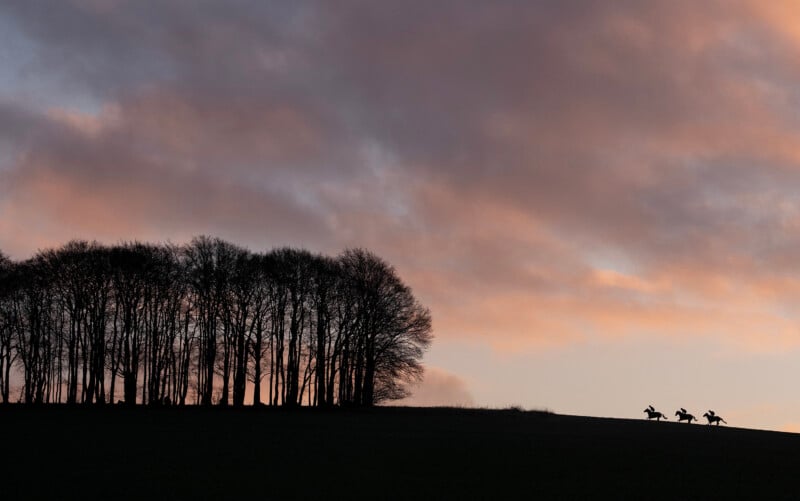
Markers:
<point>112,452</point>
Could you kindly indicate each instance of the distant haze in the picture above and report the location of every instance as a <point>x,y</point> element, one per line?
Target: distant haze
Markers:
<point>596,200</point>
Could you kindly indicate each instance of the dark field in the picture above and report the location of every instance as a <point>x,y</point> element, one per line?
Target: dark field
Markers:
<point>113,452</point>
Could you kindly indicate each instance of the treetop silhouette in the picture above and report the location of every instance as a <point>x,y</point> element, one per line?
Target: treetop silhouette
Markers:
<point>195,323</point>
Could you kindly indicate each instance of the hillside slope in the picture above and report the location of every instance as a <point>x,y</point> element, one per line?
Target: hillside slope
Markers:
<point>115,452</point>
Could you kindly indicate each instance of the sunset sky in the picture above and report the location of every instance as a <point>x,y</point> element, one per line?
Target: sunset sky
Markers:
<point>598,201</point>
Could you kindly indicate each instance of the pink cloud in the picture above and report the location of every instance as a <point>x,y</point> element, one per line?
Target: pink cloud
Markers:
<point>439,388</point>
<point>491,157</point>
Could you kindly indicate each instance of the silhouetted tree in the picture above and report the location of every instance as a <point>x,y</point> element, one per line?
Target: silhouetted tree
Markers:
<point>243,311</point>
<point>390,330</point>
<point>256,346</point>
<point>206,286</point>
<point>7,322</point>
<point>34,326</point>
<point>129,265</point>
<point>207,317</point>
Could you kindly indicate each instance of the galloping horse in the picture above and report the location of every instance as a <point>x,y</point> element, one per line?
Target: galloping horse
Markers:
<point>713,418</point>
<point>654,414</point>
<point>683,415</point>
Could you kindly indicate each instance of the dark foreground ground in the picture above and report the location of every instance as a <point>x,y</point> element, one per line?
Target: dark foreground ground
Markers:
<point>109,453</point>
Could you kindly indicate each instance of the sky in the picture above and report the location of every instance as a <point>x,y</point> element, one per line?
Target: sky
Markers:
<point>597,200</point>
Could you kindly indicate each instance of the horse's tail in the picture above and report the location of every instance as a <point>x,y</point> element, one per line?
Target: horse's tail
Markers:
<point>723,420</point>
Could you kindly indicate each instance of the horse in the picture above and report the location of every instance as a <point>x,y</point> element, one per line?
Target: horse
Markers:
<point>683,415</point>
<point>654,414</point>
<point>713,418</point>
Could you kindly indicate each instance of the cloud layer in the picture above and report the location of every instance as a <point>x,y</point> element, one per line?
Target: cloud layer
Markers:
<point>540,172</point>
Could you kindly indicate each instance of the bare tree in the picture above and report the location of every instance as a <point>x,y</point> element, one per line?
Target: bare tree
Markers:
<point>208,317</point>
<point>7,321</point>
<point>389,332</point>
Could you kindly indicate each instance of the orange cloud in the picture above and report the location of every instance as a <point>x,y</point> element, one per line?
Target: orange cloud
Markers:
<point>656,132</point>
<point>439,388</point>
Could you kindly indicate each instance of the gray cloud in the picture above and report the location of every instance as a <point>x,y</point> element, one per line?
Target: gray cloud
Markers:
<point>485,148</point>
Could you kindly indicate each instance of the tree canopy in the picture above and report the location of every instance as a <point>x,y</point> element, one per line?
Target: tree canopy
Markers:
<point>161,324</point>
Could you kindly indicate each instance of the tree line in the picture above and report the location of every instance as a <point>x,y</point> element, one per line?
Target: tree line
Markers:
<point>157,324</point>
